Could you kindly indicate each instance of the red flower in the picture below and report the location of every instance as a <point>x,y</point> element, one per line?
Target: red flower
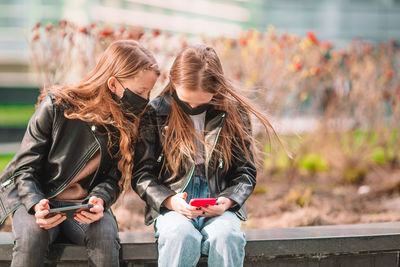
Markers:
<point>156,33</point>
<point>35,37</point>
<point>389,73</point>
<point>37,26</point>
<point>83,30</point>
<point>243,41</point>
<point>316,70</point>
<point>93,24</point>
<point>130,35</point>
<point>297,66</point>
<point>106,32</point>
<point>139,33</point>
<point>311,35</point>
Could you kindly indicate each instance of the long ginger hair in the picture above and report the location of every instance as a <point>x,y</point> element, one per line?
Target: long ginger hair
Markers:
<point>92,101</point>
<point>198,68</point>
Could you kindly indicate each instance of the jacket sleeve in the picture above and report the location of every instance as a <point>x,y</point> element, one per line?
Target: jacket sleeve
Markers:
<point>33,151</point>
<point>108,190</point>
<point>144,178</point>
<point>242,173</point>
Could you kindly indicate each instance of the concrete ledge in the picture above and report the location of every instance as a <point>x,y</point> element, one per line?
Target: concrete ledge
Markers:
<point>363,245</point>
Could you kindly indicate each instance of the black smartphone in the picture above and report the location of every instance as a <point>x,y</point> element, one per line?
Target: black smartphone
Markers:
<point>69,211</point>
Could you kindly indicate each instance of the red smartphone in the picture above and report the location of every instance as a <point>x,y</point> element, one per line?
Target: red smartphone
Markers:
<point>202,202</point>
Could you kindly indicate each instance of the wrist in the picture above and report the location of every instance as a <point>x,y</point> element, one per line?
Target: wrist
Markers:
<point>227,202</point>
<point>167,203</point>
<point>100,201</point>
<point>36,208</point>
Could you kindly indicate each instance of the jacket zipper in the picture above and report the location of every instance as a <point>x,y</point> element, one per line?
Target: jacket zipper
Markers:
<point>10,180</point>
<point>190,176</point>
<point>101,156</point>
<point>98,167</point>
<point>220,166</point>
<point>212,150</point>
<point>160,157</point>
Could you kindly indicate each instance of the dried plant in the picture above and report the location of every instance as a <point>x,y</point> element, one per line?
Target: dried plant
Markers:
<point>348,92</point>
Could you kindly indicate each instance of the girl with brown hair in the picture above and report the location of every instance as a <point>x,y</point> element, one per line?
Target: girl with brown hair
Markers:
<point>197,143</point>
<point>78,149</point>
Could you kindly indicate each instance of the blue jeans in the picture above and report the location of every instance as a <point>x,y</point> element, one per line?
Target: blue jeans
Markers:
<point>181,241</point>
<point>32,242</point>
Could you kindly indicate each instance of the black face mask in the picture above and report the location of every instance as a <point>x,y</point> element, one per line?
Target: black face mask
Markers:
<point>133,102</point>
<point>188,109</point>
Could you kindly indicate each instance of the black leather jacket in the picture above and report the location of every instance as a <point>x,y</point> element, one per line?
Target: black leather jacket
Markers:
<point>53,150</point>
<point>151,182</point>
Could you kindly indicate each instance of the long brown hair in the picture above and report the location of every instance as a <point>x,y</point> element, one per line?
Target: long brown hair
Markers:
<point>199,68</point>
<point>92,101</point>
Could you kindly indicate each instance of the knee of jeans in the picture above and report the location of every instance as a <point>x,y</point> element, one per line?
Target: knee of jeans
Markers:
<point>104,229</point>
<point>32,239</point>
<point>227,235</point>
<point>180,233</point>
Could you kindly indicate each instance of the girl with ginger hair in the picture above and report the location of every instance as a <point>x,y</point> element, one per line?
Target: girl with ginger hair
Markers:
<point>78,149</point>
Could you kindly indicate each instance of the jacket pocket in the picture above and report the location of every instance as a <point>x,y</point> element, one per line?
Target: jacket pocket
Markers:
<point>8,182</point>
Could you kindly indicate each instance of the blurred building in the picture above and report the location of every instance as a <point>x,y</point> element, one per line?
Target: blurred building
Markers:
<point>337,20</point>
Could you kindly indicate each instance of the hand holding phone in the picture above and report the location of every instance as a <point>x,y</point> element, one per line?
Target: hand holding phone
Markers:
<point>178,203</point>
<point>202,202</point>
<point>41,211</point>
<point>223,204</point>
<point>93,214</point>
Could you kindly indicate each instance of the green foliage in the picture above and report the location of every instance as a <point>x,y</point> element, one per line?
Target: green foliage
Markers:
<point>4,159</point>
<point>313,163</point>
<point>15,115</point>
<point>362,138</point>
<point>382,155</point>
<point>280,161</point>
<point>378,155</point>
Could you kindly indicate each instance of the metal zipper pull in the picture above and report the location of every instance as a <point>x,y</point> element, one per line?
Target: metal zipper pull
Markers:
<point>7,183</point>
<point>160,157</point>
<point>221,163</point>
